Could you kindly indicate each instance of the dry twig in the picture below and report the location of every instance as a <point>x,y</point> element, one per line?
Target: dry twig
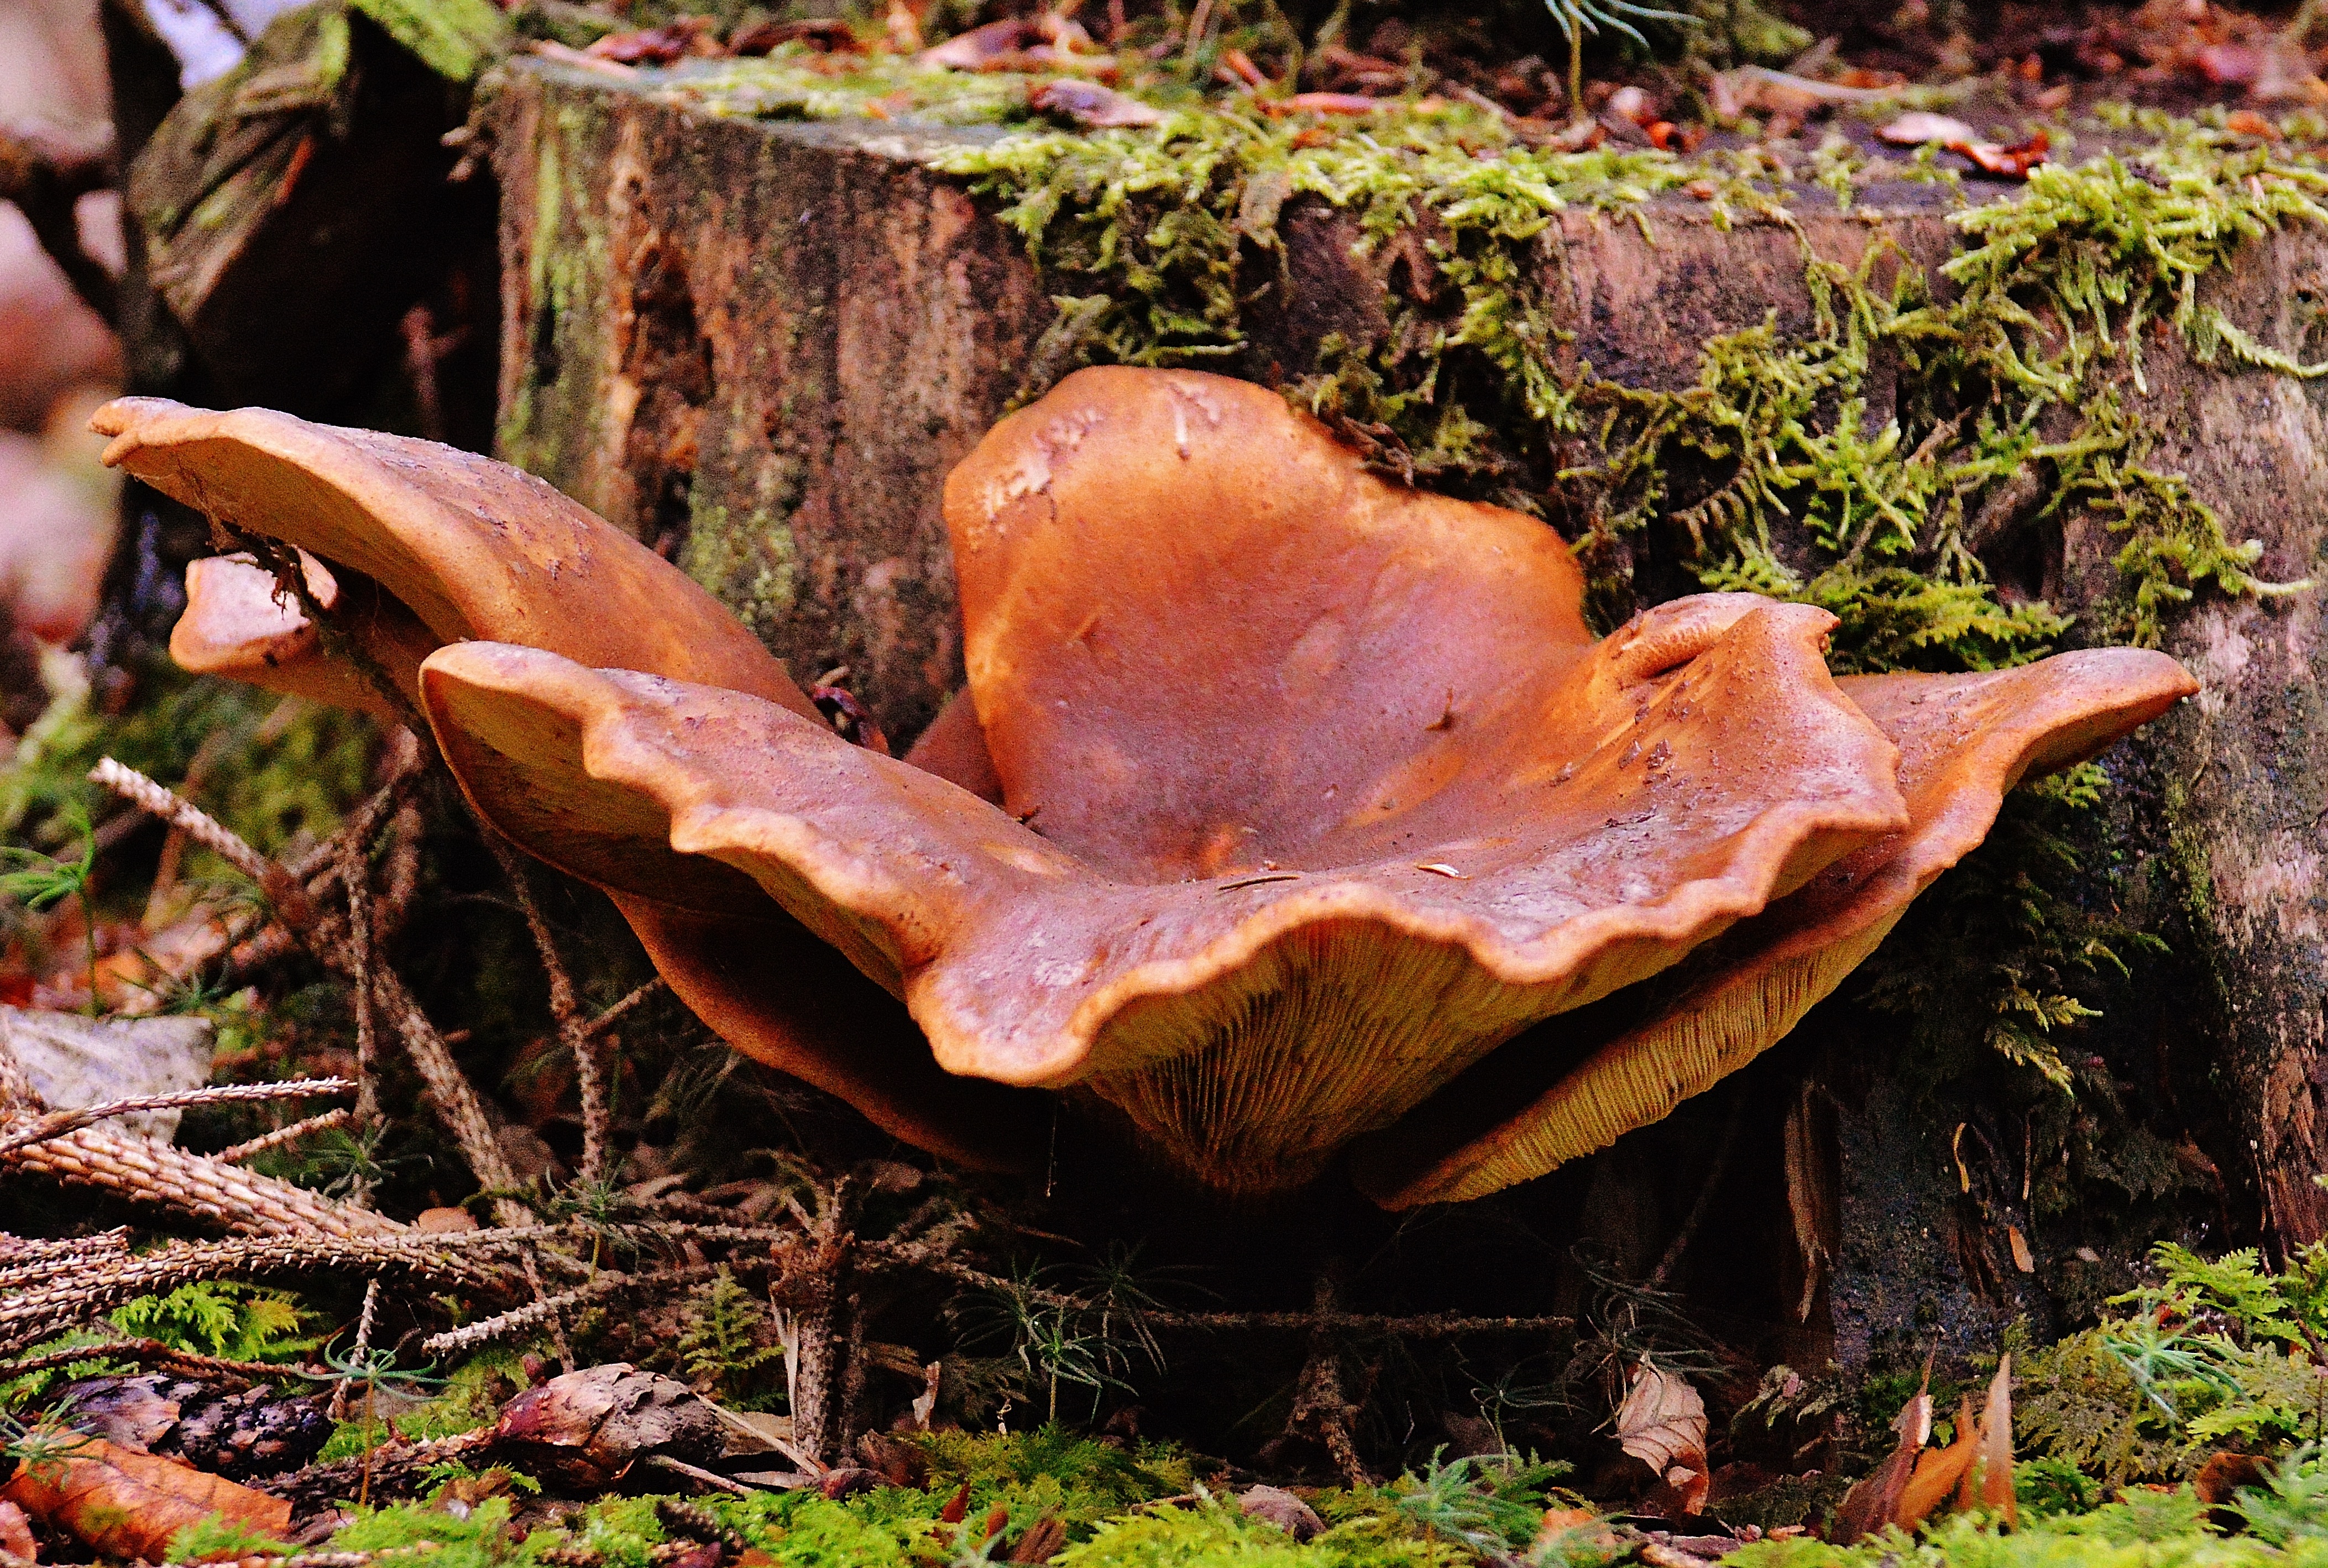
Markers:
<point>297,1130</point>
<point>57,1123</point>
<point>30,1314</point>
<point>153,1353</point>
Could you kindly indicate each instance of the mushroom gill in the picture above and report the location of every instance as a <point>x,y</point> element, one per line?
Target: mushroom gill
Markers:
<point>1314,792</point>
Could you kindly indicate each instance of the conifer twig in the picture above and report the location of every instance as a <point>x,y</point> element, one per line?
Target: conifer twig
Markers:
<point>447,1087</point>
<point>251,1149</point>
<point>57,1123</point>
<point>160,801</point>
<point>565,1012</point>
<point>150,1353</point>
<point>29,1315</point>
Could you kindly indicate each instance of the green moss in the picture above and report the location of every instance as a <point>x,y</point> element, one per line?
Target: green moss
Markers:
<point>1773,472</point>
<point>752,566</point>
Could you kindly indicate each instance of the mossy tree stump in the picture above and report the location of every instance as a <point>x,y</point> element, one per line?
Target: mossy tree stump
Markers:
<point>763,344</point>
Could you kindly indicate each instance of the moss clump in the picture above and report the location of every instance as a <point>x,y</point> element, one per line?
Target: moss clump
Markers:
<point>1859,465</point>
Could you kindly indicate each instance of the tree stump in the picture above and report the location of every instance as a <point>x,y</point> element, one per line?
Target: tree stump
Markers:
<point>761,345</point>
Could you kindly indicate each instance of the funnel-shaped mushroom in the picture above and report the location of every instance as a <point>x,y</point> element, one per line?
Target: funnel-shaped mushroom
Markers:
<point>1315,792</point>
<point>471,548</point>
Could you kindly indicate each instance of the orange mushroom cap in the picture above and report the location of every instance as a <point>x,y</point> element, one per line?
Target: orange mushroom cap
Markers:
<point>472,547</point>
<point>239,625</point>
<point>1572,1085</point>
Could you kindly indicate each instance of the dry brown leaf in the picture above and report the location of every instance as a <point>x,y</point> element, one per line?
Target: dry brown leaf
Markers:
<point>1872,1503</point>
<point>1091,106</point>
<point>1996,1444</point>
<point>120,1503</point>
<point>1939,1473</point>
<point>2023,1258</point>
<point>1662,1423</point>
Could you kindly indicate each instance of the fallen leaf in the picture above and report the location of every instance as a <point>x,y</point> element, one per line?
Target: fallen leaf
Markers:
<point>823,32</point>
<point>2014,162</point>
<point>120,1503</point>
<point>2224,1475</point>
<point>1662,1423</point>
<point>665,45</point>
<point>1045,1539</point>
<point>1276,1506</point>
<point>2247,123</point>
<point>1996,1444</point>
<point>1091,106</point>
<point>2022,1259</point>
<point>1919,126</point>
<point>1872,1503</point>
<point>1323,103</point>
<point>1939,1473</point>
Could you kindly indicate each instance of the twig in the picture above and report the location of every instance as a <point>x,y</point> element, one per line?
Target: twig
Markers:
<point>1421,1326</point>
<point>57,1123</point>
<point>607,1019</point>
<point>355,881</point>
<point>362,1348</point>
<point>196,823</point>
<point>149,1170</point>
<point>566,1011</point>
<point>547,1309</point>
<point>44,176</point>
<point>253,1147</point>
<point>158,1172</point>
<point>29,1315</point>
<point>456,1101</point>
<point>699,1476</point>
<point>153,1353</point>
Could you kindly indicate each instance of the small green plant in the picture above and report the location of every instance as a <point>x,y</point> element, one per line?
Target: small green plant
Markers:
<point>219,1539</point>
<point>1491,1505</point>
<point>235,1321</point>
<point>724,1347</point>
<point>41,882</point>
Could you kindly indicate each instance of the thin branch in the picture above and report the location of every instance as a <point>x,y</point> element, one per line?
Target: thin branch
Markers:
<point>355,880</point>
<point>455,1099</point>
<point>362,1347</point>
<point>551,1309</point>
<point>242,1152</point>
<point>160,801</point>
<point>607,1019</point>
<point>46,175</point>
<point>153,1353</point>
<point>699,1476</point>
<point>566,1011</point>
<point>57,1123</point>
<point>29,1315</point>
<point>157,1172</point>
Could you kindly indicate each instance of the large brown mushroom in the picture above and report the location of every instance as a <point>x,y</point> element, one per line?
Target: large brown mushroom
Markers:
<point>1314,793</point>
